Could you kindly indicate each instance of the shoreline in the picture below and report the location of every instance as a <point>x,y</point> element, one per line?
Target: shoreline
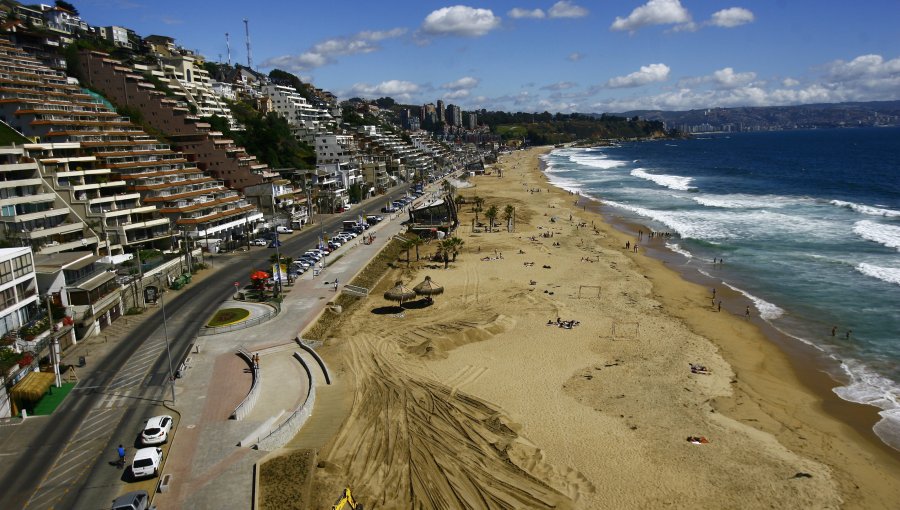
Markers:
<point>493,401</point>
<point>812,366</point>
<point>802,366</point>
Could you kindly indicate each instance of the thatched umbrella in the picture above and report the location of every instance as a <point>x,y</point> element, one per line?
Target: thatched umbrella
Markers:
<point>399,293</point>
<point>428,288</point>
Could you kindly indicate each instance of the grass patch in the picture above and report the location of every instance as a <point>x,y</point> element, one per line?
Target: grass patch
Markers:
<point>52,399</point>
<point>284,480</point>
<point>228,316</point>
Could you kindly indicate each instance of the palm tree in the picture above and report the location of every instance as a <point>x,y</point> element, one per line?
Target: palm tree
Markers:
<point>491,215</point>
<point>416,242</point>
<point>459,200</point>
<point>406,246</point>
<point>508,212</point>
<point>455,245</point>
<point>478,202</point>
<point>446,248</point>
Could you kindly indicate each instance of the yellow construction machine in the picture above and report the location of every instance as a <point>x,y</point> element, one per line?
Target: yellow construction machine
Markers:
<point>347,500</point>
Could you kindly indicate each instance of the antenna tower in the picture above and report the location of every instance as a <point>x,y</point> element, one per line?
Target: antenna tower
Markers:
<point>247,32</point>
<point>228,46</point>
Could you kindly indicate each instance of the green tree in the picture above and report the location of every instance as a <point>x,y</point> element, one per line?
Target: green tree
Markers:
<point>491,215</point>
<point>355,193</point>
<point>67,6</point>
<point>416,242</point>
<point>455,245</point>
<point>508,213</point>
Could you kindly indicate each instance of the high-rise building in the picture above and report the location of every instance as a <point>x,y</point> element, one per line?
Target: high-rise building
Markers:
<point>440,111</point>
<point>471,120</point>
<point>454,115</point>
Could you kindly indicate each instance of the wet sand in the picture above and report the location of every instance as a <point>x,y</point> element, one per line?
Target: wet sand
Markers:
<point>476,402</point>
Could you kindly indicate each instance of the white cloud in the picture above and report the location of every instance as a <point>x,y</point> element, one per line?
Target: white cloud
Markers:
<point>460,20</point>
<point>397,89</point>
<point>518,13</point>
<point>731,17</point>
<point>727,78</point>
<point>566,9</point>
<point>561,85</point>
<point>327,51</point>
<point>466,82</point>
<point>654,12</point>
<point>790,82</point>
<point>457,94</point>
<point>575,57</point>
<point>647,74</point>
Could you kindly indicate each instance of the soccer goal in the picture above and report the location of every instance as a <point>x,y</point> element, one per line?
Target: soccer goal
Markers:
<point>625,330</point>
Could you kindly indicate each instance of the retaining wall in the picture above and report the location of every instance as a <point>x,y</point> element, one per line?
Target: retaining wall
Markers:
<point>246,405</point>
<point>318,359</point>
<point>288,429</point>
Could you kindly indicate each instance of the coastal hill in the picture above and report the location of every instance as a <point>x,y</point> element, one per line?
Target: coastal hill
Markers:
<point>773,118</point>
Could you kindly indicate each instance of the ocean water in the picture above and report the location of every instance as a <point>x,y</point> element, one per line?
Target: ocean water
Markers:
<point>807,222</point>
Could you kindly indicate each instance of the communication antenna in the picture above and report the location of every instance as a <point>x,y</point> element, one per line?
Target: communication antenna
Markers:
<point>247,32</point>
<point>228,46</point>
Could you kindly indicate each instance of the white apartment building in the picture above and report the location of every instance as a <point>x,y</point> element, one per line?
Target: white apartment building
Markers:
<point>335,148</point>
<point>306,120</point>
<point>19,300</point>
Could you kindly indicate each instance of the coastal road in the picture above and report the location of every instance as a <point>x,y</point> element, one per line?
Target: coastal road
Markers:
<point>63,461</point>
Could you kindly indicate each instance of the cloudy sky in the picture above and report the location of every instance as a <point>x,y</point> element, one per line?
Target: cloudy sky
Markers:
<point>563,56</point>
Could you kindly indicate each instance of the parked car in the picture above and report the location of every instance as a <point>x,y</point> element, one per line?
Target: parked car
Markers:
<point>314,254</point>
<point>259,242</point>
<point>135,500</point>
<point>302,263</point>
<point>281,229</point>
<point>156,431</point>
<point>147,462</point>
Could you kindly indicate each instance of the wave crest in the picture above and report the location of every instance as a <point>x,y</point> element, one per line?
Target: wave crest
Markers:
<point>675,182</point>
<point>866,209</point>
<point>887,235</point>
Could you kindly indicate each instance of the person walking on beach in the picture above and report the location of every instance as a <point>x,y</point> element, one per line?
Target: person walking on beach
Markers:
<point>714,293</point>
<point>720,305</point>
<point>747,312</point>
<point>833,330</point>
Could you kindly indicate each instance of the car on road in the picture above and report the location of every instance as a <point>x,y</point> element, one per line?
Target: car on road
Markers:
<point>156,431</point>
<point>259,242</point>
<point>135,500</point>
<point>147,462</point>
<point>281,229</point>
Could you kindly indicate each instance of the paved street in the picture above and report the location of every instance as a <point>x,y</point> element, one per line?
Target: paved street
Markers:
<point>63,461</point>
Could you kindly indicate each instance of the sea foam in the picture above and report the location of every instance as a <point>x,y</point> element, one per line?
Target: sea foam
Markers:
<point>740,201</point>
<point>867,209</point>
<point>867,387</point>
<point>679,250</point>
<point>669,181</point>
<point>596,161</point>
<point>888,274</point>
<point>686,224</point>
<point>767,311</point>
<point>888,235</point>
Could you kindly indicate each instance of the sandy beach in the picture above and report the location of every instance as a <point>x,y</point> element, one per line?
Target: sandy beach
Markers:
<point>484,400</point>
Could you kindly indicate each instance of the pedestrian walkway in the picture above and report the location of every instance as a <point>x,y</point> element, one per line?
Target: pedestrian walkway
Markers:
<point>208,469</point>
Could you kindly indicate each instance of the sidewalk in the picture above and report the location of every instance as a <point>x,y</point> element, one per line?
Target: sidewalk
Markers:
<point>207,468</point>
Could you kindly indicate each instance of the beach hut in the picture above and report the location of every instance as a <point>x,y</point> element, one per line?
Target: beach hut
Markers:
<point>428,288</point>
<point>399,293</point>
<point>30,390</point>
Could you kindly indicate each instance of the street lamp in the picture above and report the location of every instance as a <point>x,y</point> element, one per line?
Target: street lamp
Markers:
<point>166,333</point>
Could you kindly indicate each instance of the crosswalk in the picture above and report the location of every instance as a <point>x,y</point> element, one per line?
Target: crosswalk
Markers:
<point>131,387</point>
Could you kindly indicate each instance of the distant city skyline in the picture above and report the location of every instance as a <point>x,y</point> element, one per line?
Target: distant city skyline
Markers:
<point>562,56</point>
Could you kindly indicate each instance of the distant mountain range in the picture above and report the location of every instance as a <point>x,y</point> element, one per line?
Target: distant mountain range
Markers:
<point>766,118</point>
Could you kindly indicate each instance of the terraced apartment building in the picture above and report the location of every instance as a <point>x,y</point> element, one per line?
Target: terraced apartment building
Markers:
<point>131,189</point>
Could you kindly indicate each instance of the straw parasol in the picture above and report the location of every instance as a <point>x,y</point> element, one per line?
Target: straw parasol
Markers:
<point>428,288</point>
<point>399,293</point>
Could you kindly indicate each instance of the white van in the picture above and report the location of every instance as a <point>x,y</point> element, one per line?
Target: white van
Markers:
<point>281,229</point>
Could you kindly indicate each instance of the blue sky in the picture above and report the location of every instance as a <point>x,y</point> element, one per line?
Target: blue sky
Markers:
<point>557,56</point>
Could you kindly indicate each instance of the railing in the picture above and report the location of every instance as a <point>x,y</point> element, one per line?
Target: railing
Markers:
<point>246,405</point>
<point>243,324</point>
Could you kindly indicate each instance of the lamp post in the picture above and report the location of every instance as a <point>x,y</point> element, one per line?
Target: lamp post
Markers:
<point>166,333</point>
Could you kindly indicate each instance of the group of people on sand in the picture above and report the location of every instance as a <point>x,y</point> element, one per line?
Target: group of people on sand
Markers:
<point>699,369</point>
<point>563,324</point>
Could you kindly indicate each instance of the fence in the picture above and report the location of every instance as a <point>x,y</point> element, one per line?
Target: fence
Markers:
<point>246,405</point>
<point>276,309</point>
<point>288,429</point>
